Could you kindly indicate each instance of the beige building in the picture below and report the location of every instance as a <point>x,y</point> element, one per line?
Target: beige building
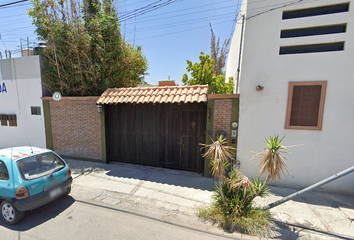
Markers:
<point>295,78</point>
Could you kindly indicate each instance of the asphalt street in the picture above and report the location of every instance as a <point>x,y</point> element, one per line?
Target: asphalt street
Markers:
<point>123,201</point>
<point>77,217</point>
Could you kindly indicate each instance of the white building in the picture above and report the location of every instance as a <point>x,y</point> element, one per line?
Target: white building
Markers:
<point>21,109</point>
<point>302,53</point>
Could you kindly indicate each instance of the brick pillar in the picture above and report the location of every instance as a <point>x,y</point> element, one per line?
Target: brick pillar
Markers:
<point>222,118</point>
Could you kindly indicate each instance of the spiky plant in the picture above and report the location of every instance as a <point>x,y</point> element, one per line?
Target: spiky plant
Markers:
<point>219,153</point>
<point>272,162</point>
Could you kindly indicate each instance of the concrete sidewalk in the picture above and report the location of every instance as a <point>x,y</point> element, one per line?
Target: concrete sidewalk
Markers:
<point>316,215</point>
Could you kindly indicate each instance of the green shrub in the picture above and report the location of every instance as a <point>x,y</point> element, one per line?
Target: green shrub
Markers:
<point>239,213</point>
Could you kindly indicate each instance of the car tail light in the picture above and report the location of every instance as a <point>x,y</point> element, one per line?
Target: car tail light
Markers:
<point>69,173</point>
<point>22,192</point>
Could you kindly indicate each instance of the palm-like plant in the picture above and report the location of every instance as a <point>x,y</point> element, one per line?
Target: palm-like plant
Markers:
<point>272,162</point>
<point>219,153</point>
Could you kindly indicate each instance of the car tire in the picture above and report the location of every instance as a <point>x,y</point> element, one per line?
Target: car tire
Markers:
<point>10,214</point>
<point>68,191</point>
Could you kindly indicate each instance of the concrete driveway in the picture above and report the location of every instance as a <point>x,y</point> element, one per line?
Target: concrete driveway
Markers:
<point>177,187</point>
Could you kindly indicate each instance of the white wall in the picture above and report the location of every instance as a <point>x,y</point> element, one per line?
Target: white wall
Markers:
<point>322,153</point>
<point>234,53</point>
<point>23,84</point>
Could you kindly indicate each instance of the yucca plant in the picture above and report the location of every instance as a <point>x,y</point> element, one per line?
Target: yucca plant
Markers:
<point>272,161</point>
<point>219,153</point>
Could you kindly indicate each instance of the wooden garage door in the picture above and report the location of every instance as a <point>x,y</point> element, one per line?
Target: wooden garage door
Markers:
<point>163,135</point>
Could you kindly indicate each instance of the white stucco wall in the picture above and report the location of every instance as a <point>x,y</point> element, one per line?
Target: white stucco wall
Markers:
<point>23,84</point>
<point>262,113</point>
<point>234,53</point>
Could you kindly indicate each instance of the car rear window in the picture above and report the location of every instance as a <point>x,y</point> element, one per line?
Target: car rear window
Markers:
<point>4,174</point>
<point>40,166</point>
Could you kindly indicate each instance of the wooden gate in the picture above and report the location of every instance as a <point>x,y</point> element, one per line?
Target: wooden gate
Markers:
<point>163,135</point>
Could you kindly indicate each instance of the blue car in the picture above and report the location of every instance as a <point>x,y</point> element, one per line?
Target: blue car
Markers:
<point>30,177</point>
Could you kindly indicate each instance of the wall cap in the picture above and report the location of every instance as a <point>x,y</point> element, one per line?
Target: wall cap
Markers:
<point>93,98</point>
<point>223,96</point>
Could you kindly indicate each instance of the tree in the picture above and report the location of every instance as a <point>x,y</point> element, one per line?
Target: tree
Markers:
<point>202,73</point>
<point>272,161</point>
<point>217,54</point>
<point>85,53</point>
<point>219,153</point>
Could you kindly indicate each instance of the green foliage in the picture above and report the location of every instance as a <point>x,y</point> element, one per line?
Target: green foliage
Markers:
<point>85,53</point>
<point>272,160</point>
<point>239,199</point>
<point>233,198</point>
<point>274,143</point>
<point>256,222</point>
<point>202,73</point>
<point>219,153</point>
<point>239,214</point>
<point>263,192</point>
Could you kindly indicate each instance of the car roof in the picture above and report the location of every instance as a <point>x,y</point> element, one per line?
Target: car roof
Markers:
<point>17,153</point>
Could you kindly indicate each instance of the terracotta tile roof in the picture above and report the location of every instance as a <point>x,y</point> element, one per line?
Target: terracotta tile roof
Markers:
<point>164,94</point>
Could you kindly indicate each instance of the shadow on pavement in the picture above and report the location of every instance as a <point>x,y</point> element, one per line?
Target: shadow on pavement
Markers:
<point>41,215</point>
<point>316,197</point>
<point>291,231</point>
<point>146,173</point>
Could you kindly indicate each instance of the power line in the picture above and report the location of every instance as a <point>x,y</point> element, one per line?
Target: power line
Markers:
<point>175,24</point>
<point>146,9</point>
<point>12,7</point>
<point>12,3</point>
<point>3,41</point>
<point>190,29</point>
<point>208,10</point>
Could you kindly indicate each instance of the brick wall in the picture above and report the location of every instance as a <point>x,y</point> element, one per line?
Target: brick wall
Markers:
<point>222,117</point>
<point>76,127</point>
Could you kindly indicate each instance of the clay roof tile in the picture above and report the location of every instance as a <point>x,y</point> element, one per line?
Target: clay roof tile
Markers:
<point>169,94</point>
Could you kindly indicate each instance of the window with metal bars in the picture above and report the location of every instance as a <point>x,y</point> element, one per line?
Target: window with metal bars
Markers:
<point>305,105</point>
<point>36,110</point>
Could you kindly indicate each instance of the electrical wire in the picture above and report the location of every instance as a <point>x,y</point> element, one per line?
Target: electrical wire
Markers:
<point>185,14</point>
<point>183,22</point>
<point>146,9</point>
<point>186,30</point>
<point>12,3</point>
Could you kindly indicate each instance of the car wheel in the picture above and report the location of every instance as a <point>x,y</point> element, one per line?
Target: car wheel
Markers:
<point>68,191</point>
<point>10,214</point>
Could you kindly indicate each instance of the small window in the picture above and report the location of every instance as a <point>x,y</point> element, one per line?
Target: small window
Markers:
<point>316,11</point>
<point>36,110</point>
<point>4,174</point>
<point>3,118</point>
<point>305,105</point>
<point>12,120</point>
<point>313,31</point>
<point>312,48</point>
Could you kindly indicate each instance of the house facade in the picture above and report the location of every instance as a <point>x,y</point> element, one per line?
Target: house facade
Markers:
<point>295,78</point>
<point>21,109</point>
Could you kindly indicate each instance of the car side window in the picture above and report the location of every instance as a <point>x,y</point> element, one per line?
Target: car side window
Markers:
<point>4,174</point>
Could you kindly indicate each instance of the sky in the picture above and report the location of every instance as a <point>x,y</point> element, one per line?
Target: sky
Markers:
<point>168,35</point>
